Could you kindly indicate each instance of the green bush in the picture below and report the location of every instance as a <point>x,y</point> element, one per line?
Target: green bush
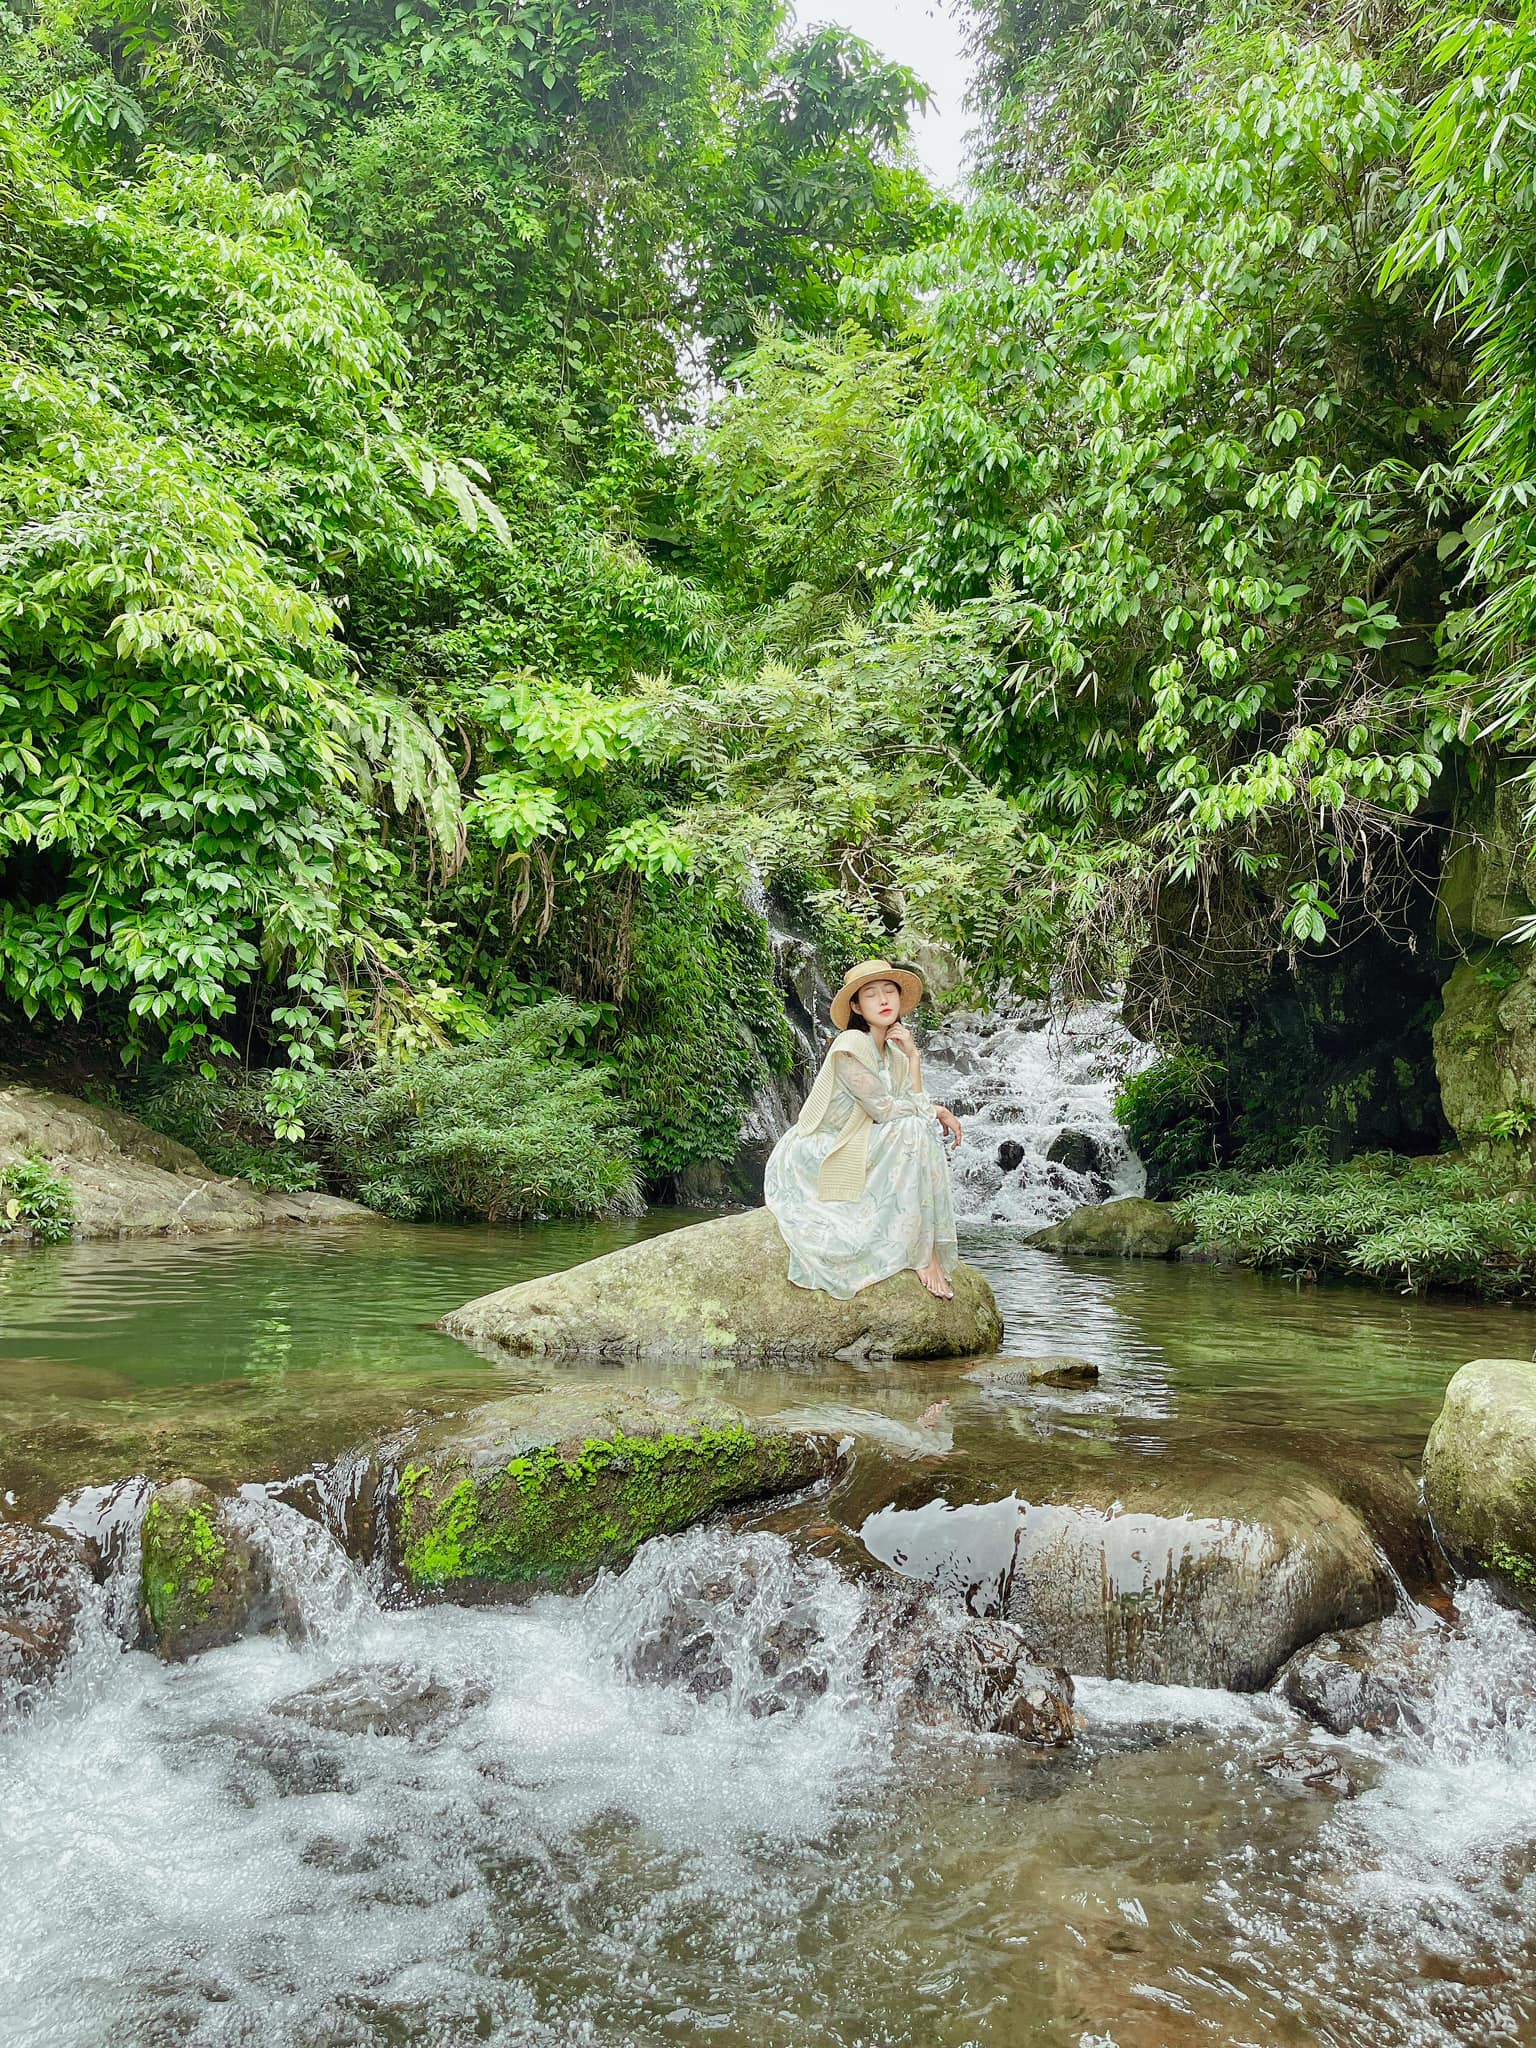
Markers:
<point>505,1128</point>
<point>226,1120</point>
<point>36,1198</point>
<point>1382,1217</point>
<point>702,1028</point>
<point>1172,1117</point>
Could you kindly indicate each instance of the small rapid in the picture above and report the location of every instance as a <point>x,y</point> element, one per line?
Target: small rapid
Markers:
<point>1036,1088</point>
<point>594,1820</point>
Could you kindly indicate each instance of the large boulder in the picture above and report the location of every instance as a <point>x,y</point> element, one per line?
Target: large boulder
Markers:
<point>1480,1474</point>
<point>1209,1563</point>
<point>1485,1050</point>
<point>203,1582</point>
<point>543,1489</point>
<point>722,1290</point>
<point>129,1181</point>
<point>1130,1228</point>
<point>43,1587</point>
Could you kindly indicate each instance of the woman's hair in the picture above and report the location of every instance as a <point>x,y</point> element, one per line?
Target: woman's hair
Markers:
<point>857,1021</point>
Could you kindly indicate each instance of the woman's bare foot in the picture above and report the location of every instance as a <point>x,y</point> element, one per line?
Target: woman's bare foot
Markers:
<point>932,1277</point>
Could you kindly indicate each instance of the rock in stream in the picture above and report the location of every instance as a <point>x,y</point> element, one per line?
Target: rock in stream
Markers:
<point>722,1290</point>
<point>543,1489</point>
<point>1480,1474</point>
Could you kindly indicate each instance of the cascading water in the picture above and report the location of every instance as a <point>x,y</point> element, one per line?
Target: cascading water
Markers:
<point>1035,1085</point>
<point>1035,1089</point>
<point>521,1825</point>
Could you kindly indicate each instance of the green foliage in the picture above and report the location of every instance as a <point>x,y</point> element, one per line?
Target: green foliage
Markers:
<point>850,767</point>
<point>1471,235</point>
<point>1172,1116</point>
<point>504,1128</point>
<point>196,420</point>
<point>34,1197</point>
<point>228,1120</point>
<point>1381,1217</point>
<point>801,470</point>
<point>341,345</point>
<point>1178,427</point>
<point>701,1029</point>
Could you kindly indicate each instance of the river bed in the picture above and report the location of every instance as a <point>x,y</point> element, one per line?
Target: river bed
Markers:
<point>559,1854</point>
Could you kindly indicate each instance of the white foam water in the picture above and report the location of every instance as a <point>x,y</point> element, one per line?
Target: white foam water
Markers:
<point>193,1855</point>
<point>1019,1080</point>
<point>422,1827</point>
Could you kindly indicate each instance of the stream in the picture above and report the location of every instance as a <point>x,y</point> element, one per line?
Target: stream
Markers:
<point>426,1826</point>
<point>547,1851</point>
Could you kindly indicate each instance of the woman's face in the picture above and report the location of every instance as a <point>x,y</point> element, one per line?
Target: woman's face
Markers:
<point>879,1003</point>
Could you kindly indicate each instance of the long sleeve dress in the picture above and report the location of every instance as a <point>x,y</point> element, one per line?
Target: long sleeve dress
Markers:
<point>905,1212</point>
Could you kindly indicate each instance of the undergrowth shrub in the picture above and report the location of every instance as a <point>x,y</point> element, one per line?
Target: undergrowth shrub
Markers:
<point>1172,1116</point>
<point>703,1027</point>
<point>1380,1216</point>
<point>227,1121</point>
<point>504,1128</point>
<point>36,1198</point>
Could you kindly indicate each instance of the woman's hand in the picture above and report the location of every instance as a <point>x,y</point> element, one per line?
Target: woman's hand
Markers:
<point>899,1035</point>
<point>949,1123</point>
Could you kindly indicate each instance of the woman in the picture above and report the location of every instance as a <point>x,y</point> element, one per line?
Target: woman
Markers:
<point>860,1185</point>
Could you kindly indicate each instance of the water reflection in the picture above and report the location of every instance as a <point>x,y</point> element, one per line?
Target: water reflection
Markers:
<point>247,1356</point>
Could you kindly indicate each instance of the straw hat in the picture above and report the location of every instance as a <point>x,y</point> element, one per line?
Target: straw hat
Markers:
<point>910,984</point>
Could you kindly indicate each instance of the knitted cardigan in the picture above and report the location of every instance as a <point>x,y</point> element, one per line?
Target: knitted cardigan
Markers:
<point>846,1165</point>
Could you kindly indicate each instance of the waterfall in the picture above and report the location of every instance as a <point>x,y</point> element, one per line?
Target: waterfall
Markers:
<point>1035,1088</point>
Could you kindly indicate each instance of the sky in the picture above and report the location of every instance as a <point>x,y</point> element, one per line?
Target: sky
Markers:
<point>925,36</point>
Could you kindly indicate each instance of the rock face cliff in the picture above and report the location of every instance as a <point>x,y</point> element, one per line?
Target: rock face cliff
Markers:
<point>1485,1040</point>
<point>129,1181</point>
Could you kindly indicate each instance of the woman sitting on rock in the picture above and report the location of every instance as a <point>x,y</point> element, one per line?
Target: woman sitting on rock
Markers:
<point>860,1184</point>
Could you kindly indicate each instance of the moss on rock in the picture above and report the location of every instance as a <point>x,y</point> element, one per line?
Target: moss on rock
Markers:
<point>201,1583</point>
<point>546,1488</point>
<point>1131,1228</point>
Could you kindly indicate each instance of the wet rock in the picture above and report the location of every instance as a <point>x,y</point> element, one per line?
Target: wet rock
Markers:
<point>1211,1563</point>
<point>772,1630</point>
<point>1308,1770</point>
<point>203,1583</point>
<point>43,1586</point>
<point>381,1700</point>
<point>1129,1228</point>
<point>129,1181</point>
<point>965,1673</point>
<point>543,1489</point>
<point>1480,1474</point>
<point>1370,1678</point>
<point>1010,1154</point>
<point>1017,1375</point>
<point>722,1290</point>
<point>1077,1152</point>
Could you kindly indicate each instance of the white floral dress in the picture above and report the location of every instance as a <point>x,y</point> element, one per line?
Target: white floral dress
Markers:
<point>906,1212</point>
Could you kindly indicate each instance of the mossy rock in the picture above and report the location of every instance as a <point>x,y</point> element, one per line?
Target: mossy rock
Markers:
<point>1485,1049</point>
<point>1131,1228</point>
<point>541,1490</point>
<point>202,1583</point>
<point>722,1290</point>
<point>1480,1474</point>
<point>1050,1369</point>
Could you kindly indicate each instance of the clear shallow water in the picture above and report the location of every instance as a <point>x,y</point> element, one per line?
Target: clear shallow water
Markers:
<point>565,1856</point>
<point>249,1357</point>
